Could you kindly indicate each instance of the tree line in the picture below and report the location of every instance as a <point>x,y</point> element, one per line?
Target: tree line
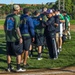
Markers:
<point>69,7</point>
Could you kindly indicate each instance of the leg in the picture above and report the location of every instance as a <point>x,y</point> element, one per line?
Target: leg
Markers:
<point>39,52</point>
<point>25,57</point>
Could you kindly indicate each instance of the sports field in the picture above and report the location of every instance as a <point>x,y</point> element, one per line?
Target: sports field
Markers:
<point>66,57</point>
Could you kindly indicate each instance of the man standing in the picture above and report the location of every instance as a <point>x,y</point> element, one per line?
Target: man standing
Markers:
<point>50,33</point>
<point>27,31</point>
<point>13,38</point>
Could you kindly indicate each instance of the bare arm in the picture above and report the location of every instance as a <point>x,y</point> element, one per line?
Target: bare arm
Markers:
<point>63,21</point>
<point>18,32</point>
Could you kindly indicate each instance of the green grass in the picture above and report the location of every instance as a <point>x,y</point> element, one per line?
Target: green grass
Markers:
<point>2,21</point>
<point>72,22</point>
<point>66,57</point>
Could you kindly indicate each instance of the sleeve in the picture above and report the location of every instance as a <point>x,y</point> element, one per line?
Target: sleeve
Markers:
<point>57,20</point>
<point>48,22</point>
<point>31,27</point>
<point>17,21</point>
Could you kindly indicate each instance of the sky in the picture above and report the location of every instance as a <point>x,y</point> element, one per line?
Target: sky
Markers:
<point>26,1</point>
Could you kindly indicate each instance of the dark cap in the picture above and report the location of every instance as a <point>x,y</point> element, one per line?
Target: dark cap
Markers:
<point>49,11</point>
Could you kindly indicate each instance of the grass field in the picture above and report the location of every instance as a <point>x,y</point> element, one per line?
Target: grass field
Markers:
<point>66,57</point>
<point>2,22</point>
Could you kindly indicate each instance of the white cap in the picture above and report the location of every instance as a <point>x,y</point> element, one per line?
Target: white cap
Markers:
<point>16,7</point>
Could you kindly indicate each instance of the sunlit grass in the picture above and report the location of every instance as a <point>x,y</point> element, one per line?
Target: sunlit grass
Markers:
<point>66,57</point>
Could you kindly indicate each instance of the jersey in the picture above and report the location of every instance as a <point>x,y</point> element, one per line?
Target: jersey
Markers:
<point>12,22</point>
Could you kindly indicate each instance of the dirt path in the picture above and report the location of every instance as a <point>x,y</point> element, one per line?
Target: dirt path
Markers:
<point>63,71</point>
<point>72,27</point>
<point>1,27</point>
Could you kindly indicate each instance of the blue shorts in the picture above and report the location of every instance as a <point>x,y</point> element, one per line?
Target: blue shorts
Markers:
<point>14,48</point>
<point>39,39</point>
<point>26,42</point>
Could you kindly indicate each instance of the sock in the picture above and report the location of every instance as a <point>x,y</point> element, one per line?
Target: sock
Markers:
<point>31,52</point>
<point>18,66</point>
<point>9,65</point>
<point>60,47</point>
<point>39,55</point>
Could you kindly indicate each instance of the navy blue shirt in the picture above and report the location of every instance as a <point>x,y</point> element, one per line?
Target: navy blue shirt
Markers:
<point>26,25</point>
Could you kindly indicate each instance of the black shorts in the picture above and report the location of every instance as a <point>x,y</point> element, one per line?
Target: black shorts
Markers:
<point>26,42</point>
<point>14,48</point>
<point>39,40</point>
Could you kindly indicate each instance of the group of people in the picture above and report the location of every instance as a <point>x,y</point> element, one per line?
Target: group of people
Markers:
<point>23,31</point>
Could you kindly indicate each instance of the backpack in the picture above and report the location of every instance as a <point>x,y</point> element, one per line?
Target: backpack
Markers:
<point>35,21</point>
<point>10,23</point>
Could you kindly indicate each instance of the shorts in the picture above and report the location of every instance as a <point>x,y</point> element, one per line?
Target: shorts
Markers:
<point>61,30</point>
<point>26,42</point>
<point>39,40</point>
<point>14,48</point>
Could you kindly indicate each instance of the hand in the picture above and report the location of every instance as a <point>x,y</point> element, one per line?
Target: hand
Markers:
<point>20,41</point>
<point>33,39</point>
<point>40,18</point>
<point>56,24</point>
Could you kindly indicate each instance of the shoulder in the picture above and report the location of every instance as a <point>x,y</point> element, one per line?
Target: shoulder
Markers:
<point>29,18</point>
<point>9,15</point>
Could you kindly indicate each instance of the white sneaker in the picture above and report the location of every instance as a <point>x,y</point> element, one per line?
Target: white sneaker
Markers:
<point>20,70</point>
<point>55,58</point>
<point>69,37</point>
<point>60,49</point>
<point>40,58</point>
<point>10,69</point>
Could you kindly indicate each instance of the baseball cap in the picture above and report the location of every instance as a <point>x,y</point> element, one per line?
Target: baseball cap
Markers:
<point>49,11</point>
<point>16,7</point>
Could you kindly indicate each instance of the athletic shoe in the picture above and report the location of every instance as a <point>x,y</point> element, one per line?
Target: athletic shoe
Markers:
<point>55,58</point>
<point>25,66</point>
<point>40,58</point>
<point>60,49</point>
<point>30,55</point>
<point>20,70</point>
<point>10,69</point>
<point>69,37</point>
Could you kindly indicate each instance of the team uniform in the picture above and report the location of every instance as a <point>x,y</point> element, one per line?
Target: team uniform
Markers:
<point>27,30</point>
<point>61,25</point>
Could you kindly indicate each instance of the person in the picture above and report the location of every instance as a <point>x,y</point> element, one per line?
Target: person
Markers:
<point>57,26</point>
<point>50,32</point>
<point>44,19</point>
<point>38,32</point>
<point>27,31</point>
<point>62,21</point>
<point>13,38</point>
<point>67,25</point>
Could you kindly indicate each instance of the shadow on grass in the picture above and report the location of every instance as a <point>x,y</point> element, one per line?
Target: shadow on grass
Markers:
<point>2,44</point>
<point>3,48</point>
